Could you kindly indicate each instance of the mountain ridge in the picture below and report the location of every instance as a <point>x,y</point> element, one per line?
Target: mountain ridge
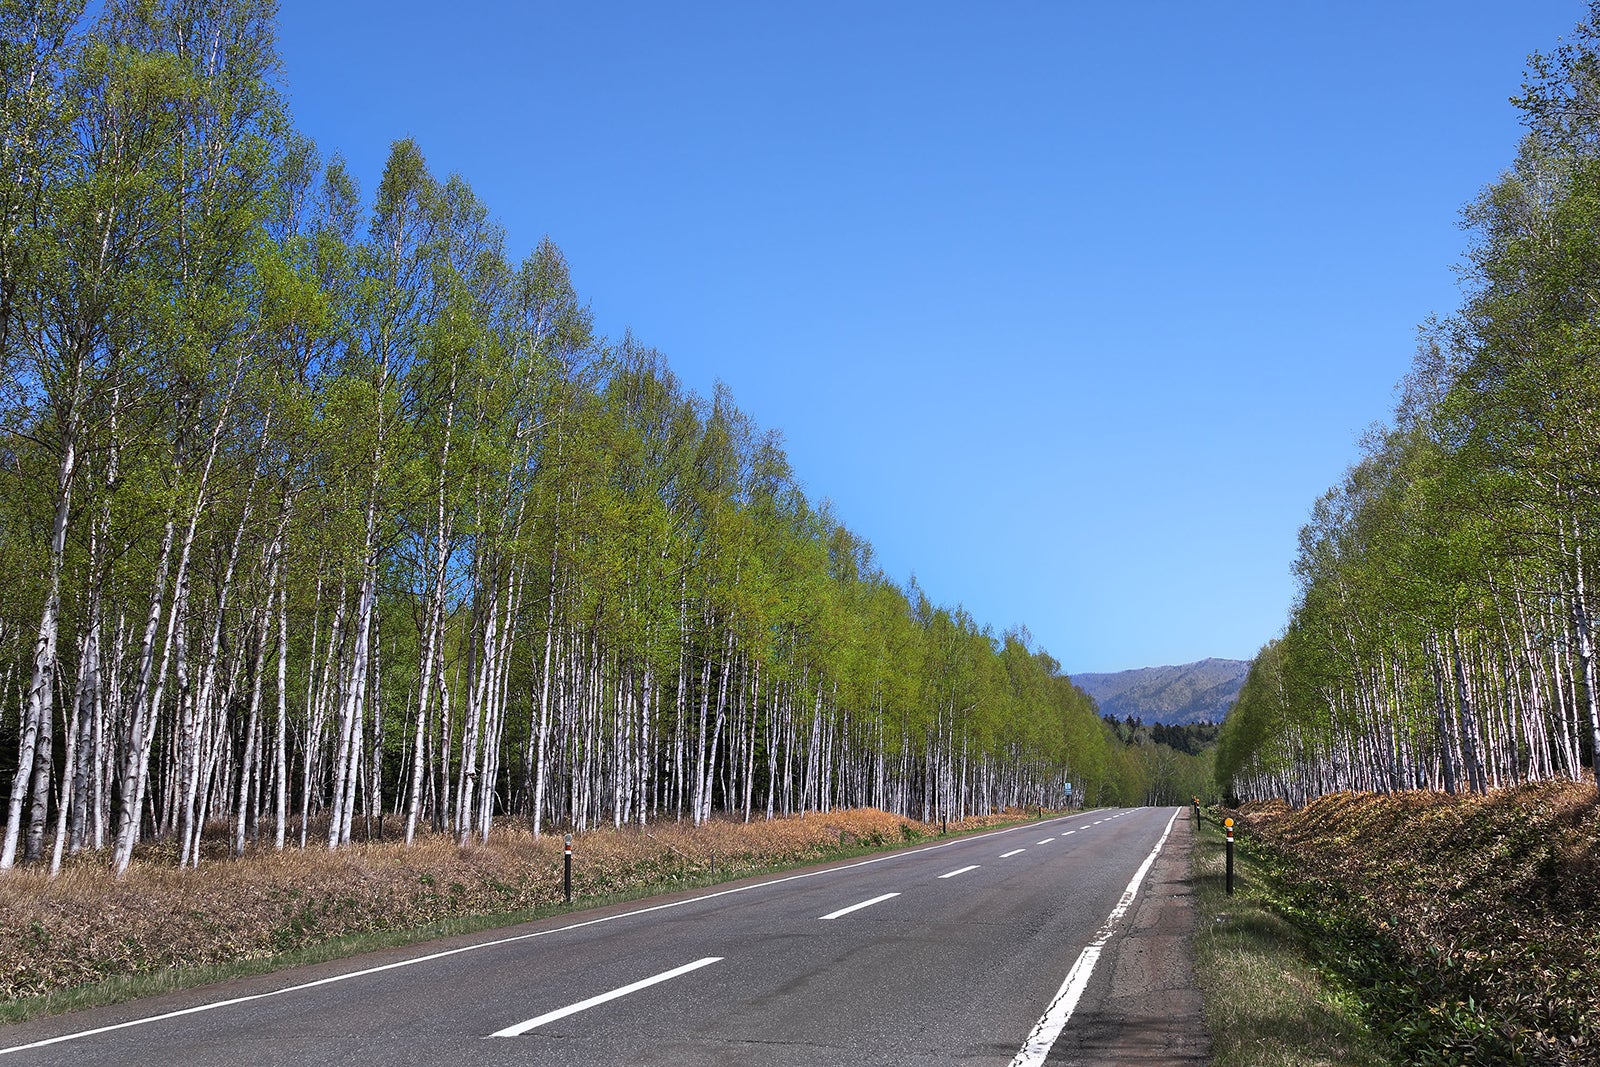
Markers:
<point>1175,694</point>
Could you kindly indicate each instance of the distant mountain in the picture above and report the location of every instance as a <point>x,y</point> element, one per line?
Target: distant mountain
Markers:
<point>1193,692</point>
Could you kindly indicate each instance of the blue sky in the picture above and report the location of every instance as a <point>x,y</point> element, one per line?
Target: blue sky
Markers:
<point>1072,309</point>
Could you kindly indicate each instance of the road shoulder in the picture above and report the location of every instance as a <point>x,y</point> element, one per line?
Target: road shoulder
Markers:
<point>1152,1014</point>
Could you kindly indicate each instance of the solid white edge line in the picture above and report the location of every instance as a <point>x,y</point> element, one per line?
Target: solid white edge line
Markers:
<point>858,907</point>
<point>230,1002</point>
<point>961,870</point>
<point>1054,1019</point>
<point>583,1005</point>
<point>1013,852</point>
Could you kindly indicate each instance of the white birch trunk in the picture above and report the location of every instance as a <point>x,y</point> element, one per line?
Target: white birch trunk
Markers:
<point>347,757</point>
<point>37,713</point>
<point>144,713</point>
<point>253,720</point>
<point>280,767</point>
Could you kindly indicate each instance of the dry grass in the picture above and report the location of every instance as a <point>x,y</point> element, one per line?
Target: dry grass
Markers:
<point>86,926</point>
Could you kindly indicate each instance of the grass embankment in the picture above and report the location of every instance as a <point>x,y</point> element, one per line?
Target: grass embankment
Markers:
<point>1465,930</point>
<point>1471,925</point>
<point>1267,1002</point>
<point>88,938</point>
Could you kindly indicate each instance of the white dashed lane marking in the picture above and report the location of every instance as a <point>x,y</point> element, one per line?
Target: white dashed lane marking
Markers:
<point>858,907</point>
<point>583,1005</point>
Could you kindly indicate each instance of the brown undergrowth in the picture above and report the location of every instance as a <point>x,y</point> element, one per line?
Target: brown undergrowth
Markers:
<point>87,926</point>
<point>1470,925</point>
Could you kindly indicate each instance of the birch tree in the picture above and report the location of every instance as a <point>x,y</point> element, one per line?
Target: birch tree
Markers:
<point>321,510</point>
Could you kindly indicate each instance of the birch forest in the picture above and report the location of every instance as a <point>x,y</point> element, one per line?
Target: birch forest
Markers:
<point>1444,633</point>
<point>325,519</point>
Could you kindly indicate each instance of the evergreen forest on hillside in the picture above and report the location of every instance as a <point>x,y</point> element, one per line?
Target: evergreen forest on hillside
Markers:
<point>325,518</point>
<point>1444,633</point>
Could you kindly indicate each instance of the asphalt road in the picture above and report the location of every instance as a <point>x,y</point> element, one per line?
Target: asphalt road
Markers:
<point>957,952</point>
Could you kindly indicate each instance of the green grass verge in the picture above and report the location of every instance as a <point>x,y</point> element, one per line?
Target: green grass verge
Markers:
<point>1267,1004</point>
<point>172,979</point>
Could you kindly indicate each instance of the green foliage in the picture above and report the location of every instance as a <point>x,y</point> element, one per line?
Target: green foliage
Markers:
<point>1158,764</point>
<point>517,567</point>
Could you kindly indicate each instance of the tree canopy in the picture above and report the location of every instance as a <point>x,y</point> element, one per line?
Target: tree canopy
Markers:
<point>321,507</point>
<point>1443,636</point>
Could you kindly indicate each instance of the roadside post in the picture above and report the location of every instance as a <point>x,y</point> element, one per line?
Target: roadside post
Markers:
<point>566,881</point>
<point>1196,812</point>
<point>1228,825</point>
